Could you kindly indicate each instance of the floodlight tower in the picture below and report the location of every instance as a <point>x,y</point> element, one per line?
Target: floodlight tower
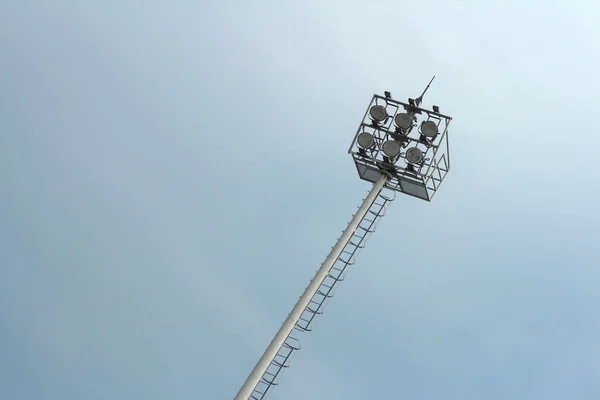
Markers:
<point>399,147</point>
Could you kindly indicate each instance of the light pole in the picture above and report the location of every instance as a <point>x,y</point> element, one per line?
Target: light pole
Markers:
<point>399,147</point>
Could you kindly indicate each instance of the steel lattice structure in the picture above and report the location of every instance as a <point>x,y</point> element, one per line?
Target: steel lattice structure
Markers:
<point>399,147</point>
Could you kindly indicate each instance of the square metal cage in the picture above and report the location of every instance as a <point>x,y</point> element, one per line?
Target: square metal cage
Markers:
<point>419,179</point>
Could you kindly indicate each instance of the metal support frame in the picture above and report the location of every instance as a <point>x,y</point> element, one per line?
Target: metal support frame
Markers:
<point>425,179</point>
<point>312,303</point>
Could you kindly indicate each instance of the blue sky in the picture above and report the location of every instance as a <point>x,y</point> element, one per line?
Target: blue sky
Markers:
<point>173,173</point>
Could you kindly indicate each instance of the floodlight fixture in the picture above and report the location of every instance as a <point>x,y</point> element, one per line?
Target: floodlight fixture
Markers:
<point>391,148</point>
<point>425,151</point>
<point>378,113</point>
<point>403,121</point>
<point>365,140</point>
<point>414,155</point>
<point>429,129</point>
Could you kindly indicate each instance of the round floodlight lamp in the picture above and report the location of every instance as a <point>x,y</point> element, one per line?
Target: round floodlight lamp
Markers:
<point>429,129</point>
<point>414,155</point>
<point>378,113</point>
<point>365,140</point>
<point>391,148</point>
<point>403,121</point>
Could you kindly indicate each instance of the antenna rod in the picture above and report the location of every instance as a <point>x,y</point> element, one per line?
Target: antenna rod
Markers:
<point>419,99</point>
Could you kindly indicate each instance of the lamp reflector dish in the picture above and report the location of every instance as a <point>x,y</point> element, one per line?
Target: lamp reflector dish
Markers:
<point>429,129</point>
<point>391,148</point>
<point>403,121</point>
<point>365,140</point>
<point>414,155</point>
<point>378,113</point>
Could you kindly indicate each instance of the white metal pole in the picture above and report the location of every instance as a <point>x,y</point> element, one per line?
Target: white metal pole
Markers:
<point>261,367</point>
